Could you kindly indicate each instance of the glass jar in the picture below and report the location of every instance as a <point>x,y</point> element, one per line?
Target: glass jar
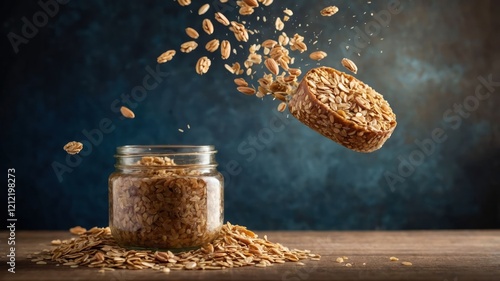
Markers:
<point>165,197</point>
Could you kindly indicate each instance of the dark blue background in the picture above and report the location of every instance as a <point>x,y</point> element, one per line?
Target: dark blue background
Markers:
<point>429,57</point>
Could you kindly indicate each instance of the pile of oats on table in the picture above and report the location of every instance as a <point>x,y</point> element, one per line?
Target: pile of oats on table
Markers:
<point>236,246</point>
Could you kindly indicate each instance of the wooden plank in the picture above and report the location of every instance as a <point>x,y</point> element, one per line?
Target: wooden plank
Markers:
<point>436,255</point>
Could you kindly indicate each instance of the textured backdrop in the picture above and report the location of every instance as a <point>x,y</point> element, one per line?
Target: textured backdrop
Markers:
<point>435,62</point>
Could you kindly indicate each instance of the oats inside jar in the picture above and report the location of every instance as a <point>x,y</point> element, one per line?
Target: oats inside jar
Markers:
<point>157,204</point>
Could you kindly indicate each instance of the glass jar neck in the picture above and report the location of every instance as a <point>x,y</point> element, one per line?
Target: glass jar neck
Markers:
<point>165,157</point>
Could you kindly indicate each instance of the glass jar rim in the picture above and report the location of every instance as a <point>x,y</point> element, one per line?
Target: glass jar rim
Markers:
<point>164,150</point>
<point>184,156</point>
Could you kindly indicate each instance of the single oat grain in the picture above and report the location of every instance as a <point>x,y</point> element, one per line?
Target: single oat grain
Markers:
<point>329,11</point>
<point>73,147</point>
<point>203,9</point>
<point>350,65</point>
<point>127,113</point>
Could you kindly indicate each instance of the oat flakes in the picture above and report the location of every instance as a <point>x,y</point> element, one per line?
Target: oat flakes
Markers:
<point>329,11</point>
<point>343,109</point>
<point>166,56</point>
<point>221,19</point>
<point>127,113</point>
<point>226,51</point>
<point>350,65</point>
<point>207,26</point>
<point>191,32</point>
<point>235,246</point>
<point>73,147</point>
<point>189,46</point>
<point>184,2</point>
<point>203,9</point>
<point>203,65</point>
<point>318,55</point>
<point>279,25</point>
<point>212,45</point>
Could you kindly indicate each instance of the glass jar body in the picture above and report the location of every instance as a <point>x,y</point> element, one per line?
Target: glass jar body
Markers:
<point>168,207</point>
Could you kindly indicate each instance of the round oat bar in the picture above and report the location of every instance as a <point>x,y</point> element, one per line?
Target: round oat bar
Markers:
<point>343,109</point>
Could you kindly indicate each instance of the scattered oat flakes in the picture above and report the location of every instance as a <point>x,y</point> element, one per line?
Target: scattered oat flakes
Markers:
<point>221,19</point>
<point>190,265</point>
<point>166,56</point>
<point>234,69</point>
<point>329,11</point>
<point>184,2</point>
<point>246,90</point>
<point>349,64</point>
<point>77,230</point>
<point>191,32</point>
<point>225,49</point>
<point>285,86</point>
<point>266,2</point>
<point>279,25</point>
<point>393,259</point>
<point>283,39</point>
<point>407,263</point>
<point>55,242</point>
<point>212,45</point>
<point>239,30</point>
<point>251,3</point>
<point>127,113</point>
<point>203,9</point>
<point>269,43</point>
<point>246,10</point>
<point>240,82</point>
<point>294,71</point>
<point>203,65</point>
<point>339,260</point>
<point>236,246</point>
<point>207,26</point>
<point>189,46</point>
<point>297,43</point>
<point>318,55</point>
<point>73,147</point>
<point>272,66</point>
<point>348,264</point>
<point>181,130</point>
<point>282,106</point>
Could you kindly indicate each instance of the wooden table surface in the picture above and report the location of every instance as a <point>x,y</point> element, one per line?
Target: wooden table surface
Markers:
<point>436,255</point>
